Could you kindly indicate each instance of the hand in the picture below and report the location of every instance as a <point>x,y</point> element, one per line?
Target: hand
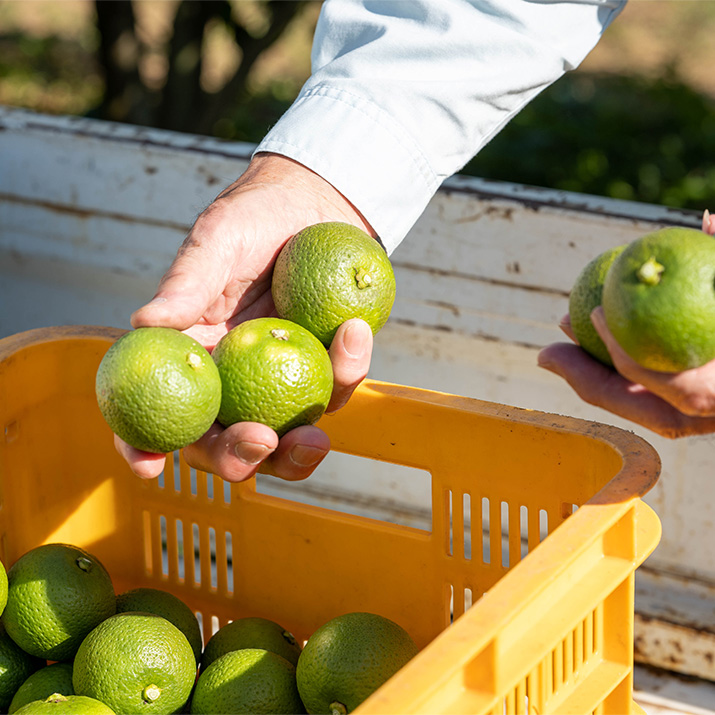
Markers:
<point>670,404</point>
<point>220,277</point>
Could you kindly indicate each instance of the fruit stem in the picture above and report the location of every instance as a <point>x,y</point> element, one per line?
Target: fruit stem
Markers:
<point>84,563</point>
<point>362,279</point>
<point>289,637</point>
<point>279,334</point>
<point>56,698</point>
<point>650,272</point>
<point>151,693</point>
<point>337,708</point>
<point>194,360</point>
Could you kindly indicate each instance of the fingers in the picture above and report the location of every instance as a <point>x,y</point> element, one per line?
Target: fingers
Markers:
<point>195,279</point>
<point>708,223</point>
<point>146,465</point>
<point>239,451</point>
<point>565,325</point>
<point>298,453</point>
<point>692,392</point>
<point>184,294</point>
<point>598,385</point>
<point>350,352</point>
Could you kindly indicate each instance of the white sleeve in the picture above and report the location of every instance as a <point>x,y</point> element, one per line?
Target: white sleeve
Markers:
<point>403,93</point>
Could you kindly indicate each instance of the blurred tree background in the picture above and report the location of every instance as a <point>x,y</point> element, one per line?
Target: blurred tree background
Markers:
<point>635,121</point>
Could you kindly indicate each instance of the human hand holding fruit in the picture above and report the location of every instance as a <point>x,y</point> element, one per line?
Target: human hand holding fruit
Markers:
<point>222,277</point>
<point>672,404</point>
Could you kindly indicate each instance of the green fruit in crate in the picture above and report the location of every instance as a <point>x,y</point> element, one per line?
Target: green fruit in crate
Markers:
<point>136,663</point>
<point>331,272</point>
<point>165,604</point>
<point>251,681</point>
<point>158,389</point>
<point>251,632</point>
<point>349,658</point>
<point>57,593</point>
<point>585,296</point>
<point>16,665</point>
<point>659,299</point>
<point>51,680</point>
<point>58,704</point>
<point>273,372</point>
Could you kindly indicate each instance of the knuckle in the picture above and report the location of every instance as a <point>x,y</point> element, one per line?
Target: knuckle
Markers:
<point>697,404</point>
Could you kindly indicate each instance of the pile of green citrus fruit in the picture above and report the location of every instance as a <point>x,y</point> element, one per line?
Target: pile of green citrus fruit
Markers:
<point>658,299</point>
<point>69,644</point>
<point>160,390</point>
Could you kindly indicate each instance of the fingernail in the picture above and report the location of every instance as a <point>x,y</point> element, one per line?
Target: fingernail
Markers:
<point>542,360</point>
<point>354,340</point>
<point>251,452</point>
<point>305,456</point>
<point>158,299</point>
<point>565,321</point>
<point>548,366</point>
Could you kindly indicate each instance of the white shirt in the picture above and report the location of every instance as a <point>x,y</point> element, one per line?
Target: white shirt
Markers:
<point>403,93</point>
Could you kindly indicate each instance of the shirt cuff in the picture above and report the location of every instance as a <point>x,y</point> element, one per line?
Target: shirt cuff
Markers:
<point>344,137</point>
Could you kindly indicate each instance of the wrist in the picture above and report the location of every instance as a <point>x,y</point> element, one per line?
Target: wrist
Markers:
<point>276,169</point>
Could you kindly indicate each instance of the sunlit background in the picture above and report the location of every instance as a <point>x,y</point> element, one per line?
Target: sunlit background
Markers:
<point>636,121</point>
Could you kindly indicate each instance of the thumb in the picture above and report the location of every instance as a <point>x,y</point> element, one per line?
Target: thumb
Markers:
<point>185,293</point>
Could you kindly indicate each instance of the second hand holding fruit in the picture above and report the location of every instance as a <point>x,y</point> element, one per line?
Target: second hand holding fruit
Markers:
<point>671,404</point>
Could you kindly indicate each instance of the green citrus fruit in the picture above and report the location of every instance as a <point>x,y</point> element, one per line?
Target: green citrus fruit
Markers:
<point>16,666</point>
<point>348,658</point>
<point>136,663</point>
<point>158,389</point>
<point>584,297</point>
<point>165,604</point>
<point>58,704</point>
<point>331,272</point>
<point>251,633</point>
<point>51,680</point>
<point>57,593</point>
<point>3,587</point>
<point>275,372</point>
<point>251,681</point>
<point>659,299</point>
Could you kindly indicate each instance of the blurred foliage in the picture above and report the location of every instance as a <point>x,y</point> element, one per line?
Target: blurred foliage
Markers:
<point>181,102</point>
<point>624,137</point>
<point>48,74</point>
<point>621,136</point>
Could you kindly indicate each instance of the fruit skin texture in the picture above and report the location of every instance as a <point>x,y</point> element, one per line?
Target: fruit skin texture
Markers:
<point>136,663</point>
<point>348,658</point>
<point>585,296</point>
<point>251,633</point>
<point>66,705</point>
<point>158,389</point>
<point>51,680</point>
<point>274,372</point>
<point>251,681</point>
<point>15,667</point>
<point>57,594</point>
<point>659,299</point>
<point>330,272</point>
<point>165,604</point>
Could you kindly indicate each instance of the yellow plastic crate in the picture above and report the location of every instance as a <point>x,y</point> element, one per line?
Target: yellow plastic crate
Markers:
<point>551,632</point>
